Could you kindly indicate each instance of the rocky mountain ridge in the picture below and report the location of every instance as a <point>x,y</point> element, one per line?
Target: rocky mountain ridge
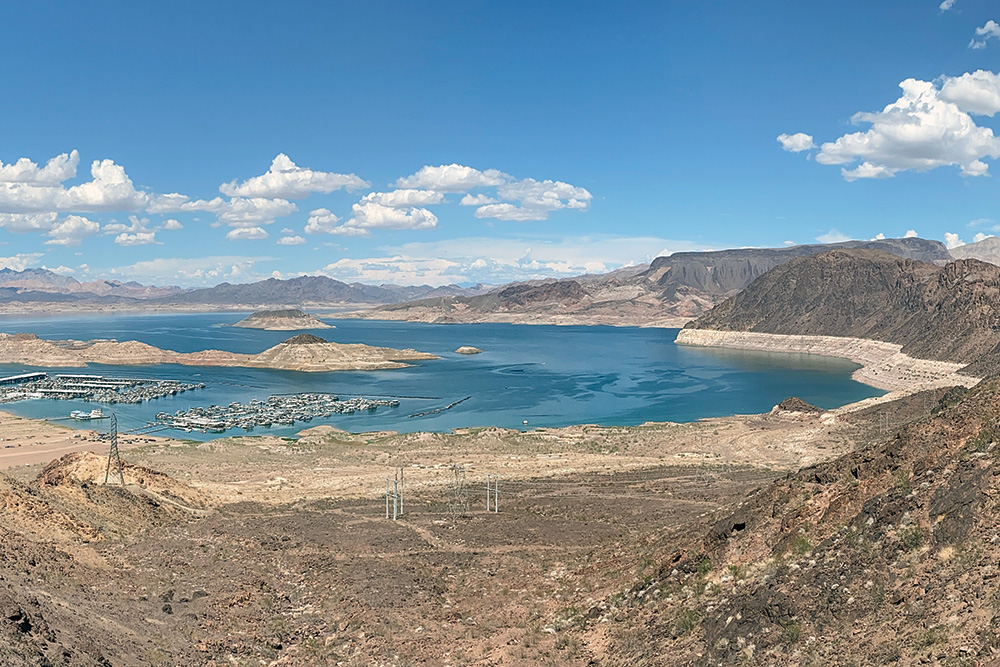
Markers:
<point>670,291</point>
<point>949,313</point>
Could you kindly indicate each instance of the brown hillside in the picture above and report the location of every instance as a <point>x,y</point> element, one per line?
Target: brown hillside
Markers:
<point>949,313</point>
<point>890,555</point>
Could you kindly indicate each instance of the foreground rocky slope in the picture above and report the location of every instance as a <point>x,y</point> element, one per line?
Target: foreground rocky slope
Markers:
<point>949,313</point>
<point>668,292</point>
<point>887,555</point>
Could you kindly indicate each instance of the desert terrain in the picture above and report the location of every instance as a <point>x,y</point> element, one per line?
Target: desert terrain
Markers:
<point>267,550</point>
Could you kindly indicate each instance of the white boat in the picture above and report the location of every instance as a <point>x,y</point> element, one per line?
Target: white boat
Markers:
<point>84,415</point>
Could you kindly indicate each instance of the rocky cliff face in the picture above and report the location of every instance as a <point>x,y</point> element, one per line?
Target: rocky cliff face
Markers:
<point>949,313</point>
<point>728,271</point>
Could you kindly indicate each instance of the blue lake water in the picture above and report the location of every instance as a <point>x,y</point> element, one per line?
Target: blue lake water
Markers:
<point>545,375</point>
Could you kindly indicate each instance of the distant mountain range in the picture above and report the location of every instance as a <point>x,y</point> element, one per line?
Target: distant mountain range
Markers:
<point>668,291</point>
<point>41,286</point>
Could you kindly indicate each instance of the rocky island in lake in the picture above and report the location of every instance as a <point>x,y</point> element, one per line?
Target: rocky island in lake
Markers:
<point>304,352</point>
<point>291,319</point>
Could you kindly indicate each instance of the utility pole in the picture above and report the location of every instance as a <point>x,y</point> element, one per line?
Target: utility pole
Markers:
<point>113,454</point>
<point>400,490</point>
<point>394,494</point>
<point>495,488</point>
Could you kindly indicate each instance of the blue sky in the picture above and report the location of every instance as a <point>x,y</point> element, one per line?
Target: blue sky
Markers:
<point>191,143</point>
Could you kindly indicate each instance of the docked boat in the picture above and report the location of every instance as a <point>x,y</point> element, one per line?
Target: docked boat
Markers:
<point>85,415</point>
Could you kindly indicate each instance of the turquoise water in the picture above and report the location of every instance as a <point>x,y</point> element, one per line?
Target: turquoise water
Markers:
<point>545,375</point>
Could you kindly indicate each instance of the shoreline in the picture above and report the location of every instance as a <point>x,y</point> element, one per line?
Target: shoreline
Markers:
<point>883,365</point>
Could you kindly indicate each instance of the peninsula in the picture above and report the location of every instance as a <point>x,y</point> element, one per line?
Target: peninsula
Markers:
<point>304,352</point>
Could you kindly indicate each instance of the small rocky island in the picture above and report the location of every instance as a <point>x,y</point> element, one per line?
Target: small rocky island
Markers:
<point>468,349</point>
<point>291,319</point>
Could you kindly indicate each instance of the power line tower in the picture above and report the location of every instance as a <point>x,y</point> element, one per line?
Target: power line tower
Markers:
<point>113,454</point>
<point>459,504</point>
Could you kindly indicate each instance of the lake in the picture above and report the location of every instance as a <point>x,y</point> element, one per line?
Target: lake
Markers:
<point>542,375</point>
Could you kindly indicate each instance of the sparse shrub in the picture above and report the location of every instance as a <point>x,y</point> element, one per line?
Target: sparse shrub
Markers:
<point>737,572</point>
<point>685,622</point>
<point>911,538</point>
<point>792,632</point>
<point>801,545</point>
<point>933,636</point>
<point>704,567</point>
<point>903,482</point>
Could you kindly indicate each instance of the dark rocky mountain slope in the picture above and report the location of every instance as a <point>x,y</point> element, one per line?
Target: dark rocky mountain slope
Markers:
<point>949,313</point>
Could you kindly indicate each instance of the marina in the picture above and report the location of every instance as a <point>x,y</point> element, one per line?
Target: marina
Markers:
<point>95,388</point>
<point>276,410</point>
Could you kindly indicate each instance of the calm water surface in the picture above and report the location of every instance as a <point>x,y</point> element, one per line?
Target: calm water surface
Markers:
<point>545,375</point>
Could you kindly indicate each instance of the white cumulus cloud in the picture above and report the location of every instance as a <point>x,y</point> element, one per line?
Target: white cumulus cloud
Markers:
<point>981,236</point>
<point>991,29</point>
<point>22,223</point>
<point>452,178</point>
<point>321,221</point>
<point>946,5</point>
<point>235,212</point>
<point>975,92</point>
<point>952,240</point>
<point>291,240</point>
<point>110,190</point>
<point>796,143</point>
<point>369,215</point>
<point>55,171</point>
<point>71,230</point>
<point>139,238</point>
<point>910,234</point>
<point>286,180</point>
<point>20,261</point>
<point>477,200</point>
<point>247,234</point>
<point>406,198</point>
<point>833,236</point>
<point>919,131</point>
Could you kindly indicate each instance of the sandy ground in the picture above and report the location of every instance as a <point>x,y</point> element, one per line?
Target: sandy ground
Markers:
<point>36,441</point>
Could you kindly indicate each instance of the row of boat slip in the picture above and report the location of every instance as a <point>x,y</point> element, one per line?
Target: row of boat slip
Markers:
<point>94,388</point>
<point>275,411</point>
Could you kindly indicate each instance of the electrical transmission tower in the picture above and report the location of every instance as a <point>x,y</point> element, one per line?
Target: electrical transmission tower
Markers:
<point>459,503</point>
<point>113,454</point>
